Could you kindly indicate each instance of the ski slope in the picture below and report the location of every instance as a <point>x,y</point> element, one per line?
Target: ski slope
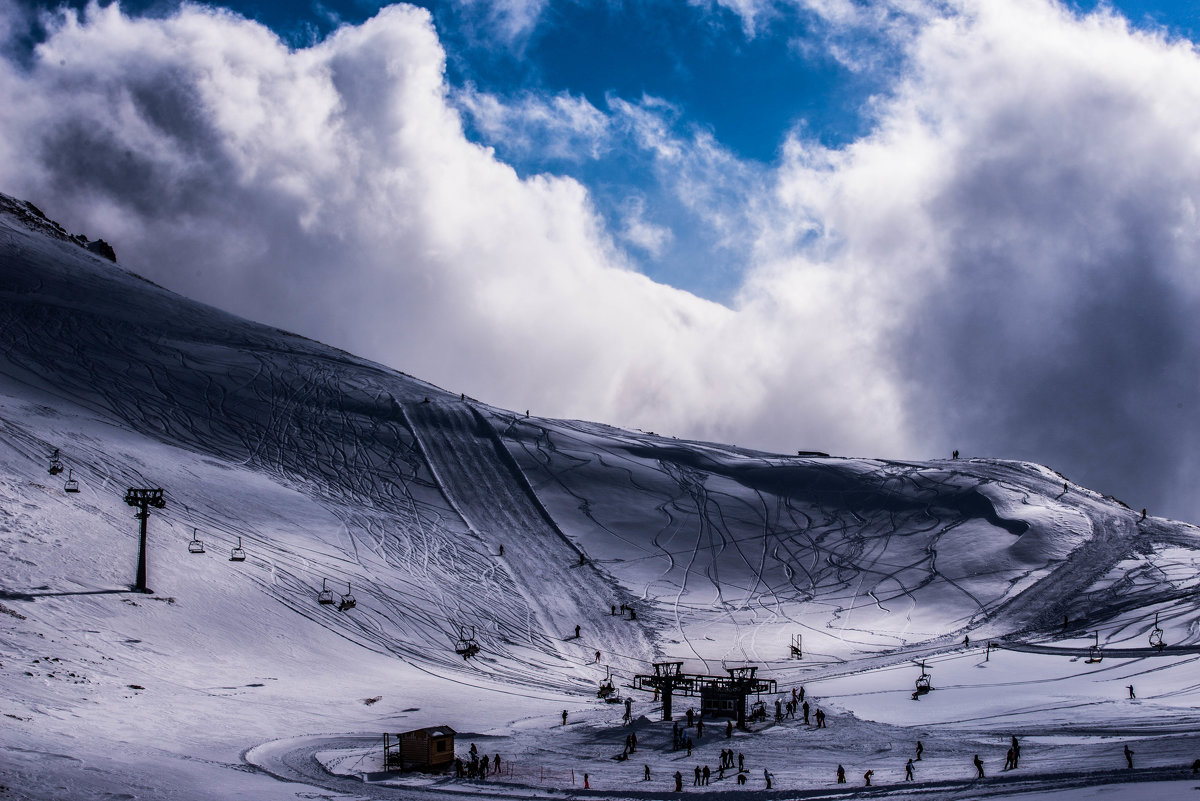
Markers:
<point>336,472</point>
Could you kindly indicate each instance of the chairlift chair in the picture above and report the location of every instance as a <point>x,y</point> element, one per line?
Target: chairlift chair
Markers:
<point>924,682</point>
<point>325,596</point>
<point>348,600</point>
<point>466,646</point>
<point>1095,655</point>
<point>71,484</point>
<point>195,546</point>
<point>237,554</point>
<point>1156,636</point>
<point>56,465</point>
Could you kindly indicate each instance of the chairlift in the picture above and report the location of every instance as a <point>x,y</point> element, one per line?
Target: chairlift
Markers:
<point>71,485</point>
<point>1156,636</point>
<point>325,596</point>
<point>195,546</point>
<point>608,690</point>
<point>466,646</point>
<point>924,683</point>
<point>237,554</point>
<point>1095,655</point>
<point>56,465</point>
<point>348,601</point>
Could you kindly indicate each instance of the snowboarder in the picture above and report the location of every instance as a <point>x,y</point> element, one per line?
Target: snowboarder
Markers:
<point>1131,695</point>
<point>1128,757</point>
<point>908,771</point>
<point>678,782</point>
<point>867,777</point>
<point>767,777</point>
<point>920,749</point>
<point>646,773</point>
<point>841,775</point>
<point>564,717</point>
<point>978,766</point>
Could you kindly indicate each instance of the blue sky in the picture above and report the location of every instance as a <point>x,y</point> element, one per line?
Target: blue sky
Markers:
<point>748,83</point>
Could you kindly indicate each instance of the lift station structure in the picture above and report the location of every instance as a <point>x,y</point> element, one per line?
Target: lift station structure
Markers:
<point>720,696</point>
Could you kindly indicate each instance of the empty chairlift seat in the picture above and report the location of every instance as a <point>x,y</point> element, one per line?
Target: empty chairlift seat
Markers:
<point>71,484</point>
<point>325,596</point>
<point>237,554</point>
<point>195,545</point>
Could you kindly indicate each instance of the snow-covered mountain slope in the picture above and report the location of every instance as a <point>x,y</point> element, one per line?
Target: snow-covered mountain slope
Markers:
<point>445,518</point>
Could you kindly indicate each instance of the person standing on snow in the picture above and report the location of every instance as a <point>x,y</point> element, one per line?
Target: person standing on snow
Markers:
<point>908,771</point>
<point>564,717</point>
<point>678,781</point>
<point>841,775</point>
<point>1128,757</point>
<point>867,777</point>
<point>978,766</point>
<point>920,748</point>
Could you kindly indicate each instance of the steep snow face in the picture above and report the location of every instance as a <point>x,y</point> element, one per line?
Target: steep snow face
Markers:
<point>451,521</point>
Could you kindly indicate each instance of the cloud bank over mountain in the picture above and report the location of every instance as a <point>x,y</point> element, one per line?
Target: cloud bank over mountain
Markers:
<point>1005,262</point>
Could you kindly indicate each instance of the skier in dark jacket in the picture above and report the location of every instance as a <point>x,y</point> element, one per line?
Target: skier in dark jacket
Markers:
<point>978,766</point>
<point>1128,757</point>
<point>841,776</point>
<point>678,782</point>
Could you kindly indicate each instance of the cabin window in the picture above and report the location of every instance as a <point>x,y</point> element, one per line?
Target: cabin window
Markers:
<point>440,747</point>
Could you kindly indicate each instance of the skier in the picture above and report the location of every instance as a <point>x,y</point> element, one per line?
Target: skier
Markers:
<point>805,710</point>
<point>678,781</point>
<point>614,610</point>
<point>967,642</point>
<point>767,777</point>
<point>908,771</point>
<point>1128,757</point>
<point>1143,513</point>
<point>1131,695</point>
<point>954,455</point>
<point>978,766</point>
<point>502,549</point>
<point>741,762</point>
<point>867,777</point>
<point>586,786</point>
<point>646,773</point>
<point>564,716</point>
<point>577,632</point>
<point>920,748</point>
<point>1016,749</point>
<point>820,719</point>
<point>841,776</point>
<point>801,693</point>
<point>496,764</point>
<point>483,766</point>
<point>597,656</point>
<point>628,710</point>
<point>1009,762</point>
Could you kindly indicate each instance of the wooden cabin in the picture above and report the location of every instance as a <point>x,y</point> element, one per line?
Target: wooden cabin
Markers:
<point>431,748</point>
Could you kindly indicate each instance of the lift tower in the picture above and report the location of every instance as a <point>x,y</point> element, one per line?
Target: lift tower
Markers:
<point>143,499</point>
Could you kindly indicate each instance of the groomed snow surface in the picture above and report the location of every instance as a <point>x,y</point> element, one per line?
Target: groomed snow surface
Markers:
<point>445,517</point>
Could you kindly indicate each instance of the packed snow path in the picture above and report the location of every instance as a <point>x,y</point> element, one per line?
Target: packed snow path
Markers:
<point>487,488</point>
